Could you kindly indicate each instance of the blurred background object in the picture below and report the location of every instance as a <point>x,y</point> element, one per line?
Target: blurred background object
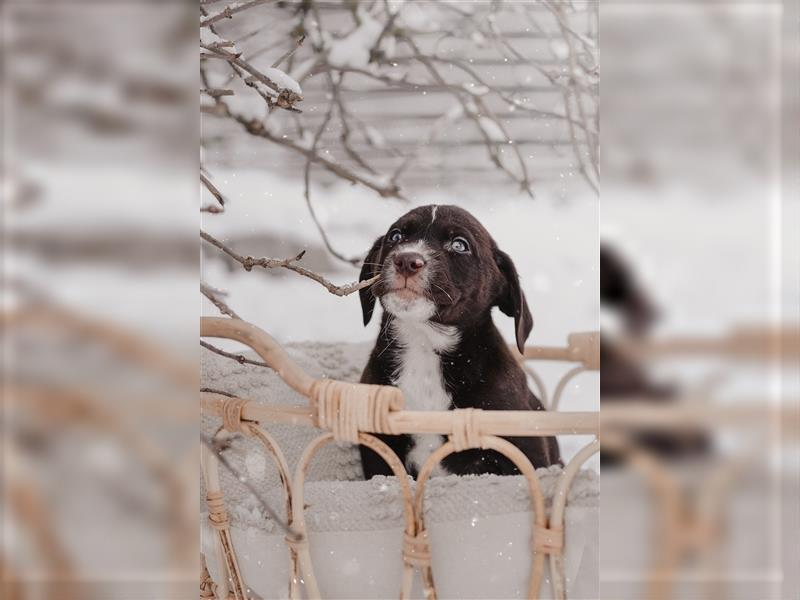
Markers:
<point>699,407</point>
<point>624,376</point>
<point>99,316</point>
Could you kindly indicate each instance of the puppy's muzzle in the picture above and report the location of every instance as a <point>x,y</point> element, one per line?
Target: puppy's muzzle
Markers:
<point>408,264</point>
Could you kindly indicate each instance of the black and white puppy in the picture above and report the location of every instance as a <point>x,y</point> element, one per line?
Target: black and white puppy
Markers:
<point>441,273</point>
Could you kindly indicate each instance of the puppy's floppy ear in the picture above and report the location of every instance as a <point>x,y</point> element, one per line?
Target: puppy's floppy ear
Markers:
<point>369,269</point>
<point>511,299</point>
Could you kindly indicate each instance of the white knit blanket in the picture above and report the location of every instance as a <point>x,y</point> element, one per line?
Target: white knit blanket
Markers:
<point>347,502</point>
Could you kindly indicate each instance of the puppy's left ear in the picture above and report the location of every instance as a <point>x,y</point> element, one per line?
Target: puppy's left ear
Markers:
<point>511,299</point>
<point>369,269</point>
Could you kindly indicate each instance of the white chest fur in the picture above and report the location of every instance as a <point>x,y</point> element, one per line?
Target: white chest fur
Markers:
<point>419,375</point>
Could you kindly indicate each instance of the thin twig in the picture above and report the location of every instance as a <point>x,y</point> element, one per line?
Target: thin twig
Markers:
<point>248,262</point>
<point>374,51</point>
<point>220,392</point>
<point>491,148</point>
<point>257,128</point>
<point>221,306</point>
<point>216,92</point>
<point>575,88</point>
<point>289,52</point>
<point>343,119</point>
<point>307,182</point>
<point>566,92</point>
<point>240,358</point>
<point>212,188</point>
<point>218,452</point>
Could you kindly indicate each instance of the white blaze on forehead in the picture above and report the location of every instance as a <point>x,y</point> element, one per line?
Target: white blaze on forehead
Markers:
<point>433,212</point>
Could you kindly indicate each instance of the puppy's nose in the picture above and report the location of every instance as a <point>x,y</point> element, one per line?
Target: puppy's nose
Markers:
<point>408,263</point>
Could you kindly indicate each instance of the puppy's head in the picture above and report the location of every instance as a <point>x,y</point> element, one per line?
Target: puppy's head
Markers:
<point>439,263</point>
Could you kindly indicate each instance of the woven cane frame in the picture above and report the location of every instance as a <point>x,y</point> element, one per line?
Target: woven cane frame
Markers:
<point>298,504</point>
<point>351,412</point>
<point>557,513</point>
<point>233,585</point>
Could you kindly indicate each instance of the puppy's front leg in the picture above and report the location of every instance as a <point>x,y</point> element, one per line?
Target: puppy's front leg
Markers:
<point>373,463</point>
<point>478,462</point>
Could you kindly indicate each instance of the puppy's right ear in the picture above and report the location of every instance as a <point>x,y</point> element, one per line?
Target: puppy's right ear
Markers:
<point>370,268</point>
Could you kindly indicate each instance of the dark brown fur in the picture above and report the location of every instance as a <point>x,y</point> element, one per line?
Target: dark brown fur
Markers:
<point>480,371</point>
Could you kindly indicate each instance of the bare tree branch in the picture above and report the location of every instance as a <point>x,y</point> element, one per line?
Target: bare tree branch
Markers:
<point>289,52</point>
<point>573,88</point>
<point>524,180</point>
<point>229,11</point>
<point>248,262</point>
<point>213,189</point>
<point>383,188</point>
<point>344,115</point>
<point>216,93</point>
<point>355,261</point>
<point>591,142</point>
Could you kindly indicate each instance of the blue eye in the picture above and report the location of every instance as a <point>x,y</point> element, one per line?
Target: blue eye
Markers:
<point>459,245</point>
<point>395,235</point>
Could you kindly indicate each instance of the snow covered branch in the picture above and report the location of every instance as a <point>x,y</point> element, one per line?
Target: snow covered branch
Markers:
<point>398,93</point>
<point>425,49</point>
<point>275,86</point>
